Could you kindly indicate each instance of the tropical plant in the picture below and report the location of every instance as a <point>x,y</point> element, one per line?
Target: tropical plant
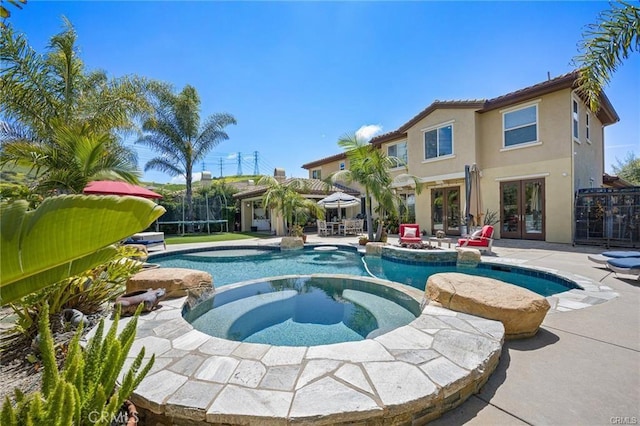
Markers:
<point>63,237</point>
<point>63,121</point>
<point>629,169</point>
<point>491,218</point>
<point>6,13</point>
<point>176,134</point>
<point>40,91</point>
<point>84,391</point>
<point>71,158</point>
<point>370,167</point>
<point>87,292</point>
<point>604,46</point>
<point>286,199</point>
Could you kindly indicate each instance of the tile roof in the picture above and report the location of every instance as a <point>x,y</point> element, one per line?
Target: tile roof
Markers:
<point>313,186</point>
<point>324,160</point>
<point>607,114</point>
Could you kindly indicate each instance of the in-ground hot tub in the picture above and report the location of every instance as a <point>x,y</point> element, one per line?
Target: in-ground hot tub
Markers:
<point>303,311</point>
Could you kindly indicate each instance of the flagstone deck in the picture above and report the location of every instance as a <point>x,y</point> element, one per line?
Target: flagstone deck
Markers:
<point>411,374</point>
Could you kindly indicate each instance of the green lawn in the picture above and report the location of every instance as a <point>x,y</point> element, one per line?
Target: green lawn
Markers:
<point>206,238</point>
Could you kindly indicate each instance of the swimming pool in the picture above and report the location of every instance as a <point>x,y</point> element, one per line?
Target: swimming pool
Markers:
<point>231,265</point>
<point>303,310</point>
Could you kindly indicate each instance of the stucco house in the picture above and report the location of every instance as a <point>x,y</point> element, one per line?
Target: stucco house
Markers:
<point>532,149</point>
<point>256,217</point>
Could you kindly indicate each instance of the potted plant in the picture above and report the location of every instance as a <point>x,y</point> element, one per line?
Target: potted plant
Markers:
<point>298,231</point>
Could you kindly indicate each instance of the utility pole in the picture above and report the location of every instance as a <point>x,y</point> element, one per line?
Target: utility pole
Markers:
<point>221,163</point>
<point>239,173</point>
<point>256,170</point>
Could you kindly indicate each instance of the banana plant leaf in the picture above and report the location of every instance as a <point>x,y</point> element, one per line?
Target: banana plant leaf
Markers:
<point>64,236</point>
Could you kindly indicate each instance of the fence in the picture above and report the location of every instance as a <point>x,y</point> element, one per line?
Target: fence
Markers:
<point>608,216</point>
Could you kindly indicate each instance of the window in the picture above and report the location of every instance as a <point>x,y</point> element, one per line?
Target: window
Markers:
<point>341,165</point>
<point>438,142</point>
<point>520,126</point>
<point>399,151</point>
<point>576,122</point>
<point>586,120</point>
<point>315,174</point>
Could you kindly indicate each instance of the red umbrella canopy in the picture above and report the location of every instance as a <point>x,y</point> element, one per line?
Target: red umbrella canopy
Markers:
<point>112,187</point>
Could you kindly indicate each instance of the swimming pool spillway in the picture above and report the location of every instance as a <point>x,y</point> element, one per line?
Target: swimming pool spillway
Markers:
<point>303,310</point>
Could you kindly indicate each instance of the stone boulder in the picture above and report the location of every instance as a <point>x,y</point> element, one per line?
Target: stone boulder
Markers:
<point>291,243</point>
<point>521,311</point>
<point>468,257</point>
<point>176,281</point>
<point>374,248</point>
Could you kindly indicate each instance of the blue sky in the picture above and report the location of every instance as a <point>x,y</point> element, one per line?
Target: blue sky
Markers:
<point>299,75</point>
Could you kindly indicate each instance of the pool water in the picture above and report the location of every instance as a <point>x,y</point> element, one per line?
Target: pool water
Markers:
<point>236,265</point>
<point>303,311</point>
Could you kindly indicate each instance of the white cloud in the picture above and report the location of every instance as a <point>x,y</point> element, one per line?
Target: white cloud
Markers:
<point>232,156</point>
<point>368,131</point>
<point>181,179</point>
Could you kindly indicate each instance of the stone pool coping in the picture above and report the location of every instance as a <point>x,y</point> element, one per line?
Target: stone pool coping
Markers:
<point>411,374</point>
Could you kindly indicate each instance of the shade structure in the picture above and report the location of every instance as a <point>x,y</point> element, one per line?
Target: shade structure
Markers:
<point>112,187</point>
<point>337,200</point>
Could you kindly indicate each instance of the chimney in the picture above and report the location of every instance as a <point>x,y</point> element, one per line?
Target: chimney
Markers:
<point>279,174</point>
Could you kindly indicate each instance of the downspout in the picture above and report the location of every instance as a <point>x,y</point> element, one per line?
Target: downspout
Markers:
<point>572,173</point>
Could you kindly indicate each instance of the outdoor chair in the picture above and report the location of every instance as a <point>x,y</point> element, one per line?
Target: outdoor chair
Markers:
<point>606,256</point>
<point>481,241</point>
<point>410,233</point>
<point>323,231</point>
<point>625,265</point>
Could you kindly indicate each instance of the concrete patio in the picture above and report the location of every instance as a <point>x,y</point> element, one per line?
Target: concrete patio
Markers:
<point>583,367</point>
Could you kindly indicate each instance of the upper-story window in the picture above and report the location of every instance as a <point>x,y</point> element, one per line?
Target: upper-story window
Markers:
<point>587,120</point>
<point>399,151</point>
<point>341,165</point>
<point>520,126</point>
<point>576,120</point>
<point>438,142</point>
<point>315,174</point>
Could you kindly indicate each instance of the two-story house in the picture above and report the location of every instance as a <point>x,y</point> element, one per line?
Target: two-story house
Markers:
<point>531,149</point>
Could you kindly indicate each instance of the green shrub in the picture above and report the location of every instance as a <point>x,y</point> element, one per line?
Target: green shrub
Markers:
<point>84,391</point>
<point>88,292</point>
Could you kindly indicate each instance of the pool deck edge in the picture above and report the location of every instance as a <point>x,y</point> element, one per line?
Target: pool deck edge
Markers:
<point>413,373</point>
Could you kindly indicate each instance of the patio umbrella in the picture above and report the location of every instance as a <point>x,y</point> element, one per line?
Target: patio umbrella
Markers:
<point>473,199</point>
<point>112,187</point>
<point>337,200</point>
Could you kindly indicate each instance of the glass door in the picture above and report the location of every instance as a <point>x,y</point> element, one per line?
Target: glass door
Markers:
<point>533,209</point>
<point>522,209</point>
<point>445,210</point>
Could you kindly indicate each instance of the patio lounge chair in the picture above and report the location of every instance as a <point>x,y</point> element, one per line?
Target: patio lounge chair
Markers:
<point>606,256</point>
<point>482,241</point>
<point>627,265</point>
<point>410,233</point>
<point>147,243</point>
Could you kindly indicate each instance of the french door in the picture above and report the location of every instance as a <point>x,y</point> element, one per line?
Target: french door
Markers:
<point>445,210</point>
<point>522,209</point>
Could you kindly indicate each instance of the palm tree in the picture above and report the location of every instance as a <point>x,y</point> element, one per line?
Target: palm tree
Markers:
<point>46,98</point>
<point>370,167</point>
<point>176,134</point>
<point>286,198</point>
<point>71,157</point>
<point>40,90</point>
<point>605,44</point>
<point>5,13</point>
